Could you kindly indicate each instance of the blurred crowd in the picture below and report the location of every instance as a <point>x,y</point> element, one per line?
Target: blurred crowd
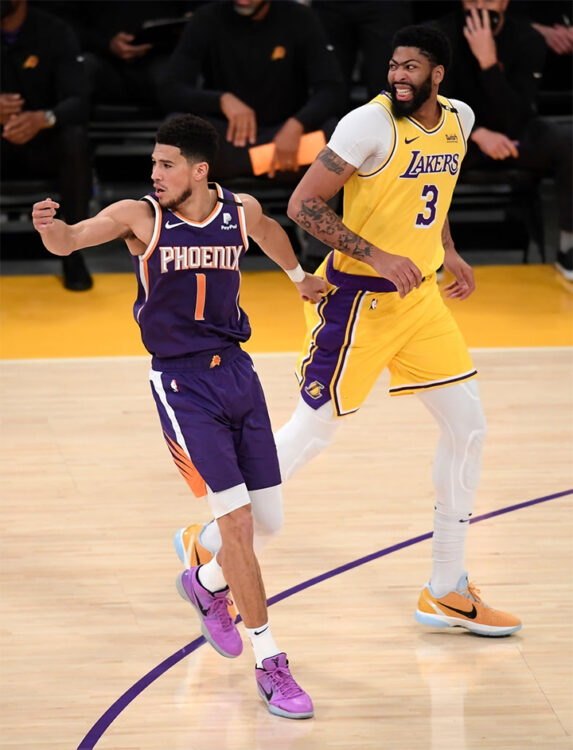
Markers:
<point>269,71</point>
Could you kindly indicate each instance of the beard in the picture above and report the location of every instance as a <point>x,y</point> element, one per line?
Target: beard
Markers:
<point>420,95</point>
<point>187,193</point>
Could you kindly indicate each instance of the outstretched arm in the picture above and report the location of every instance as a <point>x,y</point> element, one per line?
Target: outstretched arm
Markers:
<point>309,208</point>
<point>274,242</point>
<point>121,219</point>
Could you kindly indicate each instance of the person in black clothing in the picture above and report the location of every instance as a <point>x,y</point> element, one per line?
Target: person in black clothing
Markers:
<point>498,63</point>
<point>121,69</point>
<point>267,75</point>
<point>361,32</point>
<point>43,113</point>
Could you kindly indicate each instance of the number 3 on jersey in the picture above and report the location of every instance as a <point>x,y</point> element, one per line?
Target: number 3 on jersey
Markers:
<point>428,216</point>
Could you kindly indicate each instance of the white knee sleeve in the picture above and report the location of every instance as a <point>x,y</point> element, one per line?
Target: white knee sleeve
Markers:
<point>267,509</point>
<point>457,465</point>
<point>456,474</point>
<point>304,436</point>
<point>226,501</point>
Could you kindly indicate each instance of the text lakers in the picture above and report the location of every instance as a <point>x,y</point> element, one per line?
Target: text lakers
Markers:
<point>217,256</point>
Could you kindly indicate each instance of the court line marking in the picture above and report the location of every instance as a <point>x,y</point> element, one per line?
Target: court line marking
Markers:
<point>102,724</point>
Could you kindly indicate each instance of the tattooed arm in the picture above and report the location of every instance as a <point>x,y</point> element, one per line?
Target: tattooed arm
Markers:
<point>308,207</point>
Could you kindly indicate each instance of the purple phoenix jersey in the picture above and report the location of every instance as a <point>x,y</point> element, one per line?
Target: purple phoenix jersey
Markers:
<point>188,280</point>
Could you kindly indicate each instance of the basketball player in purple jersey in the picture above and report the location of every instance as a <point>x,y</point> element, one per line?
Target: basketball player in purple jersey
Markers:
<point>187,240</point>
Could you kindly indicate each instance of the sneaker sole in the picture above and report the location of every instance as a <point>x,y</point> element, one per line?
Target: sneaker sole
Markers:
<point>180,548</point>
<point>276,711</point>
<point>437,621</point>
<point>184,555</point>
<point>566,272</point>
<point>184,595</point>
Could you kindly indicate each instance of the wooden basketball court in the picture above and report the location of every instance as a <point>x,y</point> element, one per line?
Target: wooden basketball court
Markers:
<point>98,650</point>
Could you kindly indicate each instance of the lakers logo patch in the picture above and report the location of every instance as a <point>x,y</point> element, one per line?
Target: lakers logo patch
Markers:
<point>215,360</point>
<point>314,389</point>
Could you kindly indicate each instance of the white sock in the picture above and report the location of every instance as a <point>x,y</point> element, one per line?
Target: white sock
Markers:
<point>263,643</point>
<point>210,537</point>
<point>211,576</point>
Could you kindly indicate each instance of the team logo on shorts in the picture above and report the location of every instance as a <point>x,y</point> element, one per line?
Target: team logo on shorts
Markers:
<point>174,386</point>
<point>314,389</point>
<point>215,360</point>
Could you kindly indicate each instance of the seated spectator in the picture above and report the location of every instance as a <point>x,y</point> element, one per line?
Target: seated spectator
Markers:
<point>361,32</point>
<point>43,113</point>
<point>259,71</point>
<point>121,70</point>
<point>498,60</point>
<point>552,19</point>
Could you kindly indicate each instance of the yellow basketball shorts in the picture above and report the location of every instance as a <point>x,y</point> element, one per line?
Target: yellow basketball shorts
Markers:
<point>352,335</point>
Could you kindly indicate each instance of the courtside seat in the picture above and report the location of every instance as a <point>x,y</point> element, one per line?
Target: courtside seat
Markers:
<point>16,200</point>
<point>498,208</point>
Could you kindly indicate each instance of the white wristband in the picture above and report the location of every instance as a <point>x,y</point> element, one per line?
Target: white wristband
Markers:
<point>295,274</point>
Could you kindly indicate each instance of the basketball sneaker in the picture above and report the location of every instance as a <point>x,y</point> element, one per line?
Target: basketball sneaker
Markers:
<point>216,624</point>
<point>278,689</point>
<point>192,553</point>
<point>188,547</point>
<point>464,608</point>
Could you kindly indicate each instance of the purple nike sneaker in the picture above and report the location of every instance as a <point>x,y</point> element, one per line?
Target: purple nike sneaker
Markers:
<point>278,689</point>
<point>216,623</point>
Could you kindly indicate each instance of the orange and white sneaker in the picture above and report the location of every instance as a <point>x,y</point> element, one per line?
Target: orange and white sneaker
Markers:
<point>189,550</point>
<point>192,553</point>
<point>463,608</point>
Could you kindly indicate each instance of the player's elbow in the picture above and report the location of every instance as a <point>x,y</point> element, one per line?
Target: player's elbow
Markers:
<point>294,207</point>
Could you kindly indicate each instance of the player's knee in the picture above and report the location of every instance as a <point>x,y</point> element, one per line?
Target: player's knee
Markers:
<point>236,527</point>
<point>267,509</point>
<point>471,465</point>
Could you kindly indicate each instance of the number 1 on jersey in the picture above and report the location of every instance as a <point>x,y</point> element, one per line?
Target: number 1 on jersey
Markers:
<point>200,301</point>
<point>430,193</point>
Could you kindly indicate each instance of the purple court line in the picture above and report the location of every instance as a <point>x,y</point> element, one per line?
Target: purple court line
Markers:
<point>98,729</point>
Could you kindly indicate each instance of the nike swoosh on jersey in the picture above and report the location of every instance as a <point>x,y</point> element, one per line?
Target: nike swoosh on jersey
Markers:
<point>406,141</point>
<point>172,226</point>
<point>472,614</point>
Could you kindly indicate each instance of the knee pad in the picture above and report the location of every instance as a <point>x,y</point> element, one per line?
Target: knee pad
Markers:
<point>267,508</point>
<point>308,432</point>
<point>471,464</point>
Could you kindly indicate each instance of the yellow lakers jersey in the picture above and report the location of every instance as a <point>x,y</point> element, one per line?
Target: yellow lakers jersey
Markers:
<point>401,205</point>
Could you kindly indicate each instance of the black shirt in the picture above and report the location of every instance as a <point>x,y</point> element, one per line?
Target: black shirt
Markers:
<point>280,66</point>
<point>43,64</point>
<point>503,96</point>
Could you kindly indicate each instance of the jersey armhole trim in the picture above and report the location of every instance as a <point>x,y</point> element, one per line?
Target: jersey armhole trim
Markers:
<point>156,227</point>
<point>392,150</point>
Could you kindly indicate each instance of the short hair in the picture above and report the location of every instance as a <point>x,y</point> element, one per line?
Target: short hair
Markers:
<point>196,138</point>
<point>430,41</point>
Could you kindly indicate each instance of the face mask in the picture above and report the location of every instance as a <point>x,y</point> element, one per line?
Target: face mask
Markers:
<point>494,18</point>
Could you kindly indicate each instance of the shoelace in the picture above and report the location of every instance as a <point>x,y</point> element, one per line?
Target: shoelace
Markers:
<point>219,609</point>
<point>284,681</point>
<point>473,591</point>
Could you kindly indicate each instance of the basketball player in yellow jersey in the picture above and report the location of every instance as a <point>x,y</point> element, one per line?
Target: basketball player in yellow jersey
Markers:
<point>397,158</point>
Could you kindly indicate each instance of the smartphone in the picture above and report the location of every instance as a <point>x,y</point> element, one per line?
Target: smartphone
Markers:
<point>494,17</point>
